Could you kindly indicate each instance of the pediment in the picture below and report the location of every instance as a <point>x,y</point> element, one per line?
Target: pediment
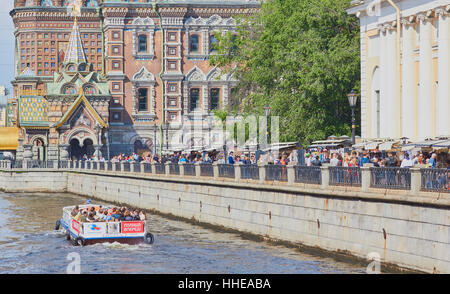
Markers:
<point>81,113</point>
<point>143,75</point>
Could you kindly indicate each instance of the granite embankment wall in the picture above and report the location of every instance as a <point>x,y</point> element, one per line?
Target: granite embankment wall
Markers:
<point>407,231</point>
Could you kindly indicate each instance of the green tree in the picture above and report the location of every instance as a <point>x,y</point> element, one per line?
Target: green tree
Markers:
<point>301,57</point>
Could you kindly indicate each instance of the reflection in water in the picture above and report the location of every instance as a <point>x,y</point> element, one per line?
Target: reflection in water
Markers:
<point>28,244</point>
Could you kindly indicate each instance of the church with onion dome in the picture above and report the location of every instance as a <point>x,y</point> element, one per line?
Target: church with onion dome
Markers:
<point>118,76</point>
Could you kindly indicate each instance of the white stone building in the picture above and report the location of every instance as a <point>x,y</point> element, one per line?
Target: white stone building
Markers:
<point>405,68</point>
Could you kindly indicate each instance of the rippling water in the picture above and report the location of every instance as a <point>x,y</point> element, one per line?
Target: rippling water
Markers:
<point>28,244</point>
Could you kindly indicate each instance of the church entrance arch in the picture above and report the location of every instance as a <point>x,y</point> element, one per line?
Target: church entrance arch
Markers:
<point>75,149</point>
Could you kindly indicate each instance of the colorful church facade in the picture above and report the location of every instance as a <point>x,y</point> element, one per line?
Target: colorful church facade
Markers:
<point>139,78</point>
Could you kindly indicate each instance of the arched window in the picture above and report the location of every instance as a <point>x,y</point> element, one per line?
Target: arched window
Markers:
<point>89,90</point>
<point>69,90</point>
<point>215,98</point>
<point>194,97</point>
<point>142,43</point>
<point>143,99</point>
<point>193,43</point>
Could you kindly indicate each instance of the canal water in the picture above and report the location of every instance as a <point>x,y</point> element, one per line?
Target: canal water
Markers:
<point>29,244</point>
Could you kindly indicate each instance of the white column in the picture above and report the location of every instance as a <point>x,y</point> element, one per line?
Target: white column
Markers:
<point>409,120</point>
<point>443,96</point>
<point>425,101</point>
<point>384,100</point>
<point>389,104</point>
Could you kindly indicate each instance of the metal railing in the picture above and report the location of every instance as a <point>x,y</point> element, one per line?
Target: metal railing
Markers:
<point>39,164</point>
<point>435,180</point>
<point>147,167</point>
<point>160,169</point>
<point>63,164</point>
<point>189,169</point>
<point>206,170</point>
<point>174,169</point>
<point>430,179</point>
<point>390,178</point>
<point>226,171</point>
<point>345,176</point>
<point>276,173</point>
<point>308,174</point>
<point>136,167</point>
<point>249,171</point>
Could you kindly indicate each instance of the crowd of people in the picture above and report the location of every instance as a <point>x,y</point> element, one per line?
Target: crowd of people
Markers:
<point>101,214</point>
<point>332,158</point>
<point>392,159</point>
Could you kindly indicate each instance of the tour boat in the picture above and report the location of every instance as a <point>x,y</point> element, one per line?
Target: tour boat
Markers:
<point>88,233</point>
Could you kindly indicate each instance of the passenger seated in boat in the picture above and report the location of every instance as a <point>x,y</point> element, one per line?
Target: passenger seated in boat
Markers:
<point>75,211</point>
<point>91,218</point>
<point>142,216</point>
<point>128,217</point>
<point>83,216</point>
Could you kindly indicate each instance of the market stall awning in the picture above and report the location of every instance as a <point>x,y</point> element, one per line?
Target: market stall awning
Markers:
<point>425,144</point>
<point>372,145</point>
<point>9,139</point>
<point>442,144</point>
<point>387,145</point>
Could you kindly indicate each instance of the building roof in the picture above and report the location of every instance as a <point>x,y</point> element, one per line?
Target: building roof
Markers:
<point>33,112</point>
<point>75,51</point>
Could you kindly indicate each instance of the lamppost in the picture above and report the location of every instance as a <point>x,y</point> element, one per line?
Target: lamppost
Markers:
<point>352,99</point>
<point>267,110</point>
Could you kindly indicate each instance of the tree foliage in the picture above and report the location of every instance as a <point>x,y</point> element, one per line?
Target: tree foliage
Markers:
<point>301,57</point>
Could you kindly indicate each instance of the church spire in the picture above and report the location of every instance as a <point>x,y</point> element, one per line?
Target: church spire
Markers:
<point>75,50</point>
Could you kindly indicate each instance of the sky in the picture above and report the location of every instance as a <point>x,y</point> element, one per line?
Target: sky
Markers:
<point>6,44</point>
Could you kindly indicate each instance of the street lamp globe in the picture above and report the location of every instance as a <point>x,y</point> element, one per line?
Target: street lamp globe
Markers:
<point>352,98</point>
<point>267,110</point>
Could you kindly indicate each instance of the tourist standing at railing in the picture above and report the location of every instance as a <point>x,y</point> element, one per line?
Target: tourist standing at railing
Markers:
<point>432,161</point>
<point>391,162</point>
<point>407,162</point>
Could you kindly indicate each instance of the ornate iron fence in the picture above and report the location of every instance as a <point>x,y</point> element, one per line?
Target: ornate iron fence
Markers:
<point>136,167</point>
<point>126,167</point>
<point>94,164</point>
<point>206,170</point>
<point>147,168</point>
<point>174,169</point>
<point>435,180</point>
<point>189,169</point>
<point>226,171</point>
<point>101,165</point>
<point>345,176</point>
<point>82,164</point>
<point>276,173</point>
<point>390,178</point>
<point>308,174</point>
<point>249,171</point>
<point>88,164</point>
<point>39,164</point>
<point>160,169</point>
<point>63,164</point>
<point>116,165</point>
<point>16,164</point>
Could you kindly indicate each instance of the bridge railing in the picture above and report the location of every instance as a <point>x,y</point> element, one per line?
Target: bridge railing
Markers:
<point>345,176</point>
<point>435,180</point>
<point>407,179</point>
<point>390,178</point>
<point>226,171</point>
